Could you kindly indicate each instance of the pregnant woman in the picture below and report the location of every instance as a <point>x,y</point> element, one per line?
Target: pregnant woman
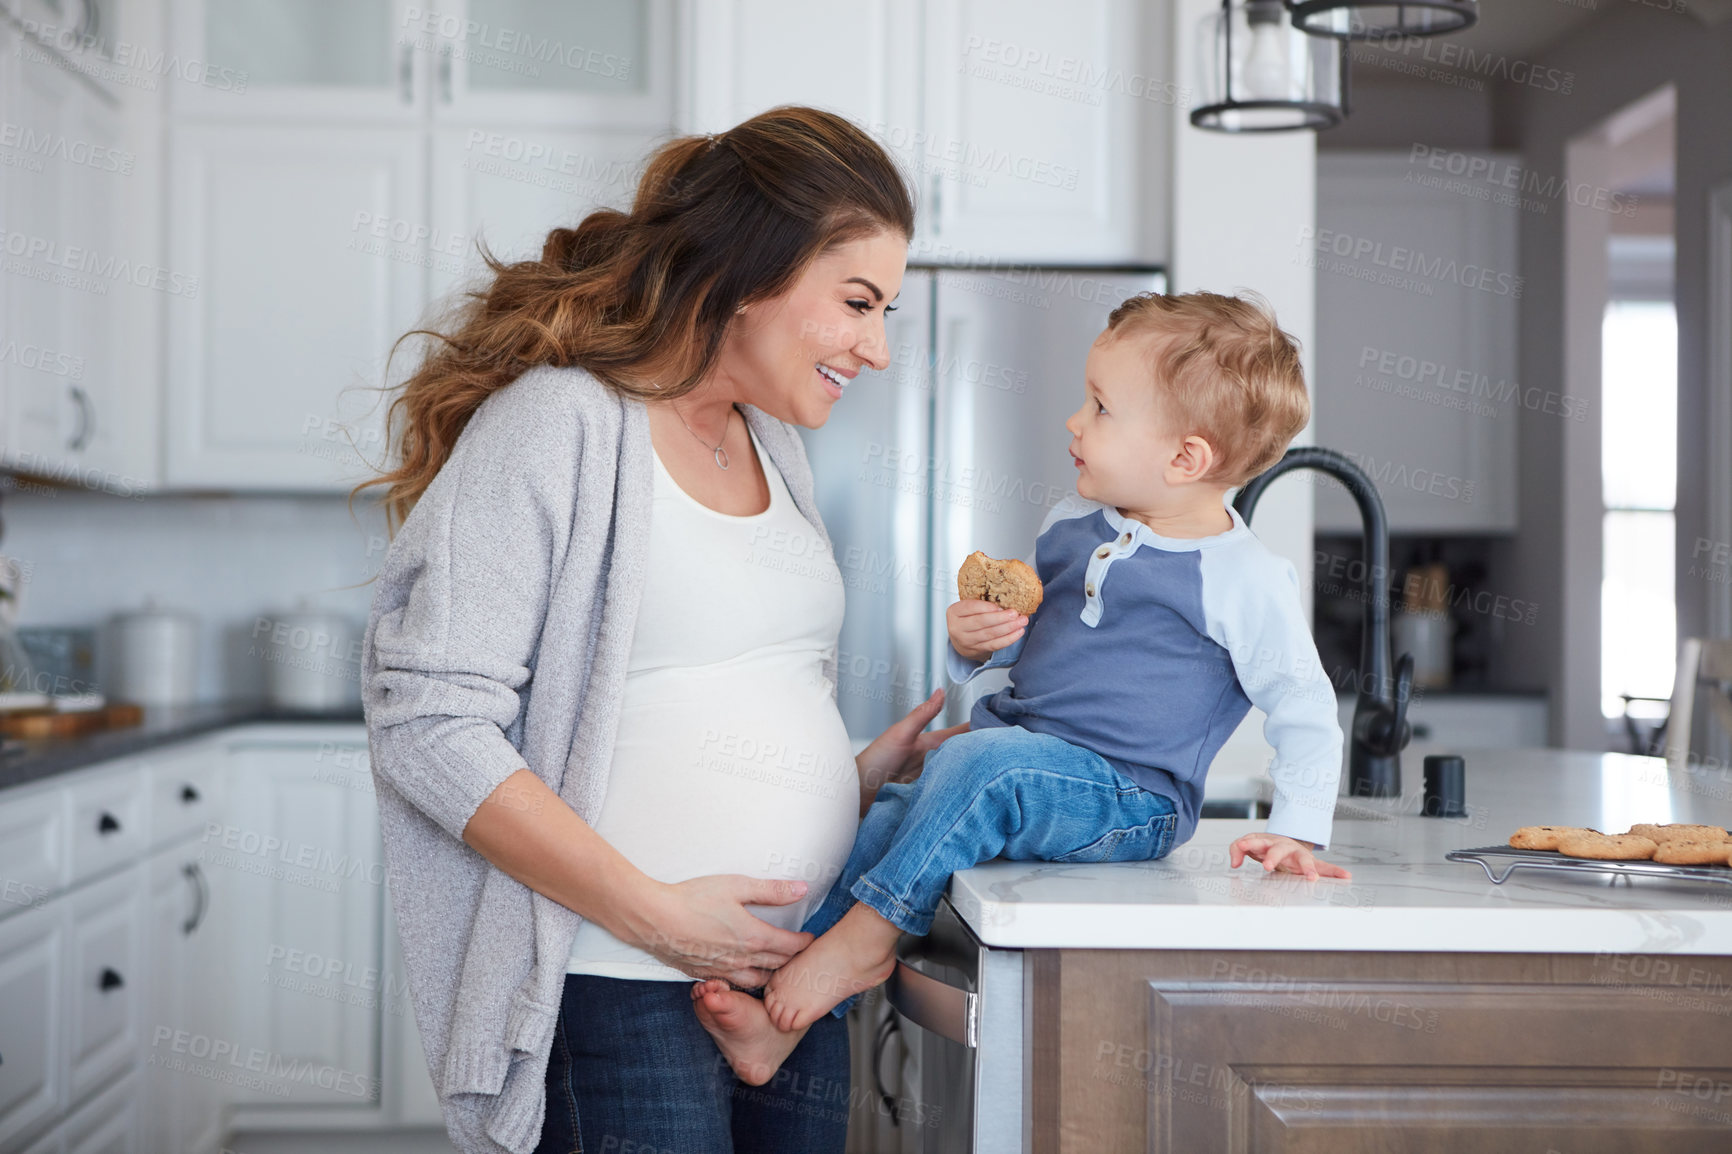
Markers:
<point>599,681</point>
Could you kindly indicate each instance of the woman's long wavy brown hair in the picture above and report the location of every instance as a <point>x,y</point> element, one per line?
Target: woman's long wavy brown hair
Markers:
<point>644,298</point>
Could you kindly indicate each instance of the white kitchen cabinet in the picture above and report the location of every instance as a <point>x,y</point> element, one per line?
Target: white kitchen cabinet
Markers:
<point>9,367</point>
<point>32,1045</point>
<point>1036,122</point>
<point>1418,294</point>
<point>53,1142</point>
<point>742,57</point>
<point>184,790</point>
<point>518,62</point>
<point>107,821</point>
<point>34,857</point>
<point>94,439</point>
<point>88,33</point>
<point>231,965</point>
<point>297,60</point>
<point>311,247</point>
<point>297,870</point>
<point>510,188</point>
<point>549,63</point>
<point>1029,141</point>
<point>79,283</point>
<point>180,1110</point>
<point>108,1123</point>
<point>105,980</point>
<point>310,213</point>
<point>45,362</point>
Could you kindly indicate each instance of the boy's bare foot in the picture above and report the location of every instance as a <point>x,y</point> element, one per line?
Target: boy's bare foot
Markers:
<point>856,954</point>
<point>743,1031</point>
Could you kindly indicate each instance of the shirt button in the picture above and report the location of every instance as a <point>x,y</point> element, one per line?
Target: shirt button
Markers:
<point>1103,553</point>
<point>1090,589</point>
<point>1126,539</point>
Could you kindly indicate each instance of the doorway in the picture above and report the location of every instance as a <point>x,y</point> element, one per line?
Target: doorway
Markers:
<point>1621,478</point>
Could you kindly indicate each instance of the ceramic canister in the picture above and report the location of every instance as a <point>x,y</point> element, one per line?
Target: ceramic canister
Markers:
<point>312,660</point>
<point>156,657</point>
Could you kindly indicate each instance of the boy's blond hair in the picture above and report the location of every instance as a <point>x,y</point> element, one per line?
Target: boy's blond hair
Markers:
<point>1225,372</point>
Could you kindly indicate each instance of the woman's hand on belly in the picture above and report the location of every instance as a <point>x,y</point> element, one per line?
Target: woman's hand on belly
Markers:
<point>899,752</point>
<point>702,927</point>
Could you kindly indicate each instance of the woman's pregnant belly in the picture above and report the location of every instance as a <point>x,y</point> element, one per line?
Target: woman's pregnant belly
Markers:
<point>742,767</point>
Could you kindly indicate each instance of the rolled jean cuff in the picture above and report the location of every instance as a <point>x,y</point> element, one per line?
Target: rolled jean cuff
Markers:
<point>891,908</point>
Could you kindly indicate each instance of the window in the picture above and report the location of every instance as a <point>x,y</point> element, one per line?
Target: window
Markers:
<point>1639,468</point>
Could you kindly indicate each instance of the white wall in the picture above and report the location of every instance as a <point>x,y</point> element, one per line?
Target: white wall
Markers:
<point>228,560</point>
<point>1240,205</point>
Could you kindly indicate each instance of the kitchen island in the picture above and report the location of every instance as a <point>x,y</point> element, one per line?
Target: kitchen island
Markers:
<point>1179,1005</point>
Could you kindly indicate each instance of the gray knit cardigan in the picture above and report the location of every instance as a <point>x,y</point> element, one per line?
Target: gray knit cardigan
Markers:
<point>498,639</point>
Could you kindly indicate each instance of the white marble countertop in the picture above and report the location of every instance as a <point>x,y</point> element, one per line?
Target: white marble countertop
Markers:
<point>1403,895</point>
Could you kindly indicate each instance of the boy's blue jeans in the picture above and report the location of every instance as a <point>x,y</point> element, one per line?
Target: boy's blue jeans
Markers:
<point>989,793</point>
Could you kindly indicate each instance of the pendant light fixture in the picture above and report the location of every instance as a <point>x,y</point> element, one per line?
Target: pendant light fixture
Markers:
<point>1261,74</point>
<point>1381,19</point>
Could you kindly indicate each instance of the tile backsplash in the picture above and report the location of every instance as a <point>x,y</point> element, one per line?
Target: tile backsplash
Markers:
<point>228,560</point>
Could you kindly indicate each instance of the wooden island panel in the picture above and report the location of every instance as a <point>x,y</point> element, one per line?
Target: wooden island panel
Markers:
<point>1306,1053</point>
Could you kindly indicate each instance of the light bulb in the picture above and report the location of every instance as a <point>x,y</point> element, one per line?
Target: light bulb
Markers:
<point>1267,73</point>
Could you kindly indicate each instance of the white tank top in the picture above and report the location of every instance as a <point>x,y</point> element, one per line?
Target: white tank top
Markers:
<point>731,755</point>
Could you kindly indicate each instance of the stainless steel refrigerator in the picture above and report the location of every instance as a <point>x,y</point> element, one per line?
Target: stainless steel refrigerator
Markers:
<point>960,445</point>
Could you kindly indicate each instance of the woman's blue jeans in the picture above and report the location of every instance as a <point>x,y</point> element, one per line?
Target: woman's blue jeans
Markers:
<point>1002,792</point>
<point>635,1073</point>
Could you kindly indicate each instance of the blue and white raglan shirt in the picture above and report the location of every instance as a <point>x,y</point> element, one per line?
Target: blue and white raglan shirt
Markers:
<point>1150,650</point>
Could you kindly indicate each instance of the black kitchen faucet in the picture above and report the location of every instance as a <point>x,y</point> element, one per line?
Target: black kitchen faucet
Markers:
<point>1380,729</point>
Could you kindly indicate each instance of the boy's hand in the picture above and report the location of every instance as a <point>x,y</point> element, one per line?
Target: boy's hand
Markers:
<point>979,629</point>
<point>1288,855</point>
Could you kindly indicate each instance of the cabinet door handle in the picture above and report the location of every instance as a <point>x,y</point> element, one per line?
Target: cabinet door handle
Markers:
<point>406,73</point>
<point>188,795</point>
<point>86,420</point>
<point>111,980</point>
<point>107,824</point>
<point>201,891</point>
<point>445,73</point>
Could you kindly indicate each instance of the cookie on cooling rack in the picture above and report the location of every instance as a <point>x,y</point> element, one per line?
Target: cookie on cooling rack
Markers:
<point>1543,836</point>
<point>1689,851</point>
<point>1666,833</point>
<point>1607,846</point>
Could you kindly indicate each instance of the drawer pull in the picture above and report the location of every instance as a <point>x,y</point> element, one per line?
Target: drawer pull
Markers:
<point>111,980</point>
<point>107,824</point>
<point>188,795</point>
<point>201,890</point>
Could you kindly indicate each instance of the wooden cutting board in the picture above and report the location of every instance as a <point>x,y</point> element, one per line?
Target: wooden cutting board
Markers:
<point>33,723</point>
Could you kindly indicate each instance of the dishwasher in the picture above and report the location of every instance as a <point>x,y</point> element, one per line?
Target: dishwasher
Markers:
<point>964,1004</point>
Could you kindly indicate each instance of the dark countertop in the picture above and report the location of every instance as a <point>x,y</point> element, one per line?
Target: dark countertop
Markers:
<point>26,761</point>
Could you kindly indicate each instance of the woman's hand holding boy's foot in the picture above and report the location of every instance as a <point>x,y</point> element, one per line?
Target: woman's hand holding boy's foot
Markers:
<point>856,954</point>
